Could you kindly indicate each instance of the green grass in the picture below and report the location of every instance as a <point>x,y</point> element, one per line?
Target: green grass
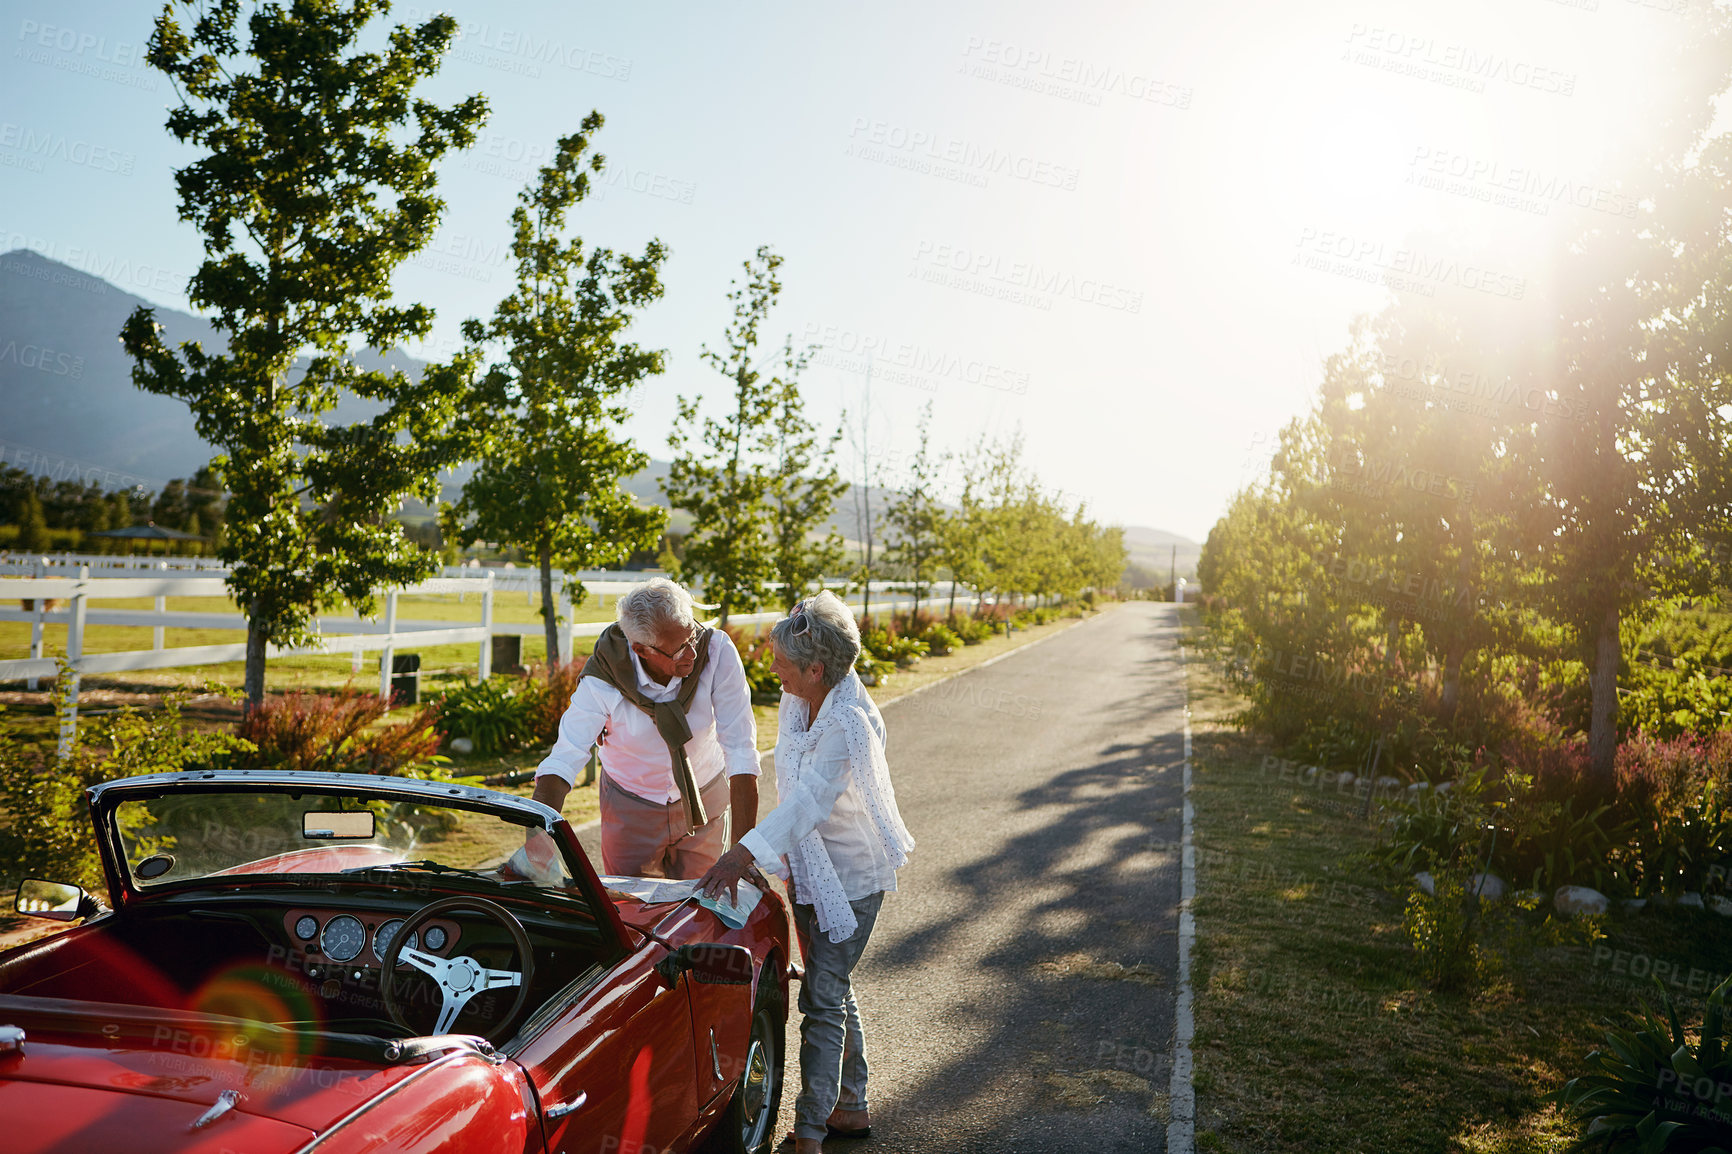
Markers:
<point>1314,1031</point>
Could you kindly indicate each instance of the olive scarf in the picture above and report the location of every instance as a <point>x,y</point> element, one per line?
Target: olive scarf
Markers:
<point>611,662</point>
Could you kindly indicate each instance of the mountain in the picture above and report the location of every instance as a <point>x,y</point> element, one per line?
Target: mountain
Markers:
<point>70,408</point>
<point>66,385</point>
<point>66,391</point>
<point>1154,550</point>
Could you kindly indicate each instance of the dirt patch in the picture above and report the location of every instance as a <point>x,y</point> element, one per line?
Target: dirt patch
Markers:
<point>1083,966</point>
<point>1088,1088</point>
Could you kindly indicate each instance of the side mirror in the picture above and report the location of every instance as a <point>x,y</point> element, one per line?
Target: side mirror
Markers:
<point>711,963</point>
<point>56,901</point>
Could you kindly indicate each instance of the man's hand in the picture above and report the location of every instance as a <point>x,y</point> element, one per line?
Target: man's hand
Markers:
<point>538,861</point>
<point>725,875</point>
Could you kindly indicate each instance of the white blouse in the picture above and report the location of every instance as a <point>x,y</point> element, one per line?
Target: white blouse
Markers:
<point>836,822</point>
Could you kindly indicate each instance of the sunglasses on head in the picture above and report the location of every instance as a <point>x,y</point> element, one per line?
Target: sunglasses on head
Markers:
<point>798,623</point>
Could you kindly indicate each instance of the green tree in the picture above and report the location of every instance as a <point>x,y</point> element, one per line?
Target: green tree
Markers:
<point>916,518</point>
<point>804,485</point>
<point>1002,525</point>
<point>549,412</point>
<point>32,525</point>
<point>725,485</point>
<point>316,180</point>
<point>962,529</point>
<point>1638,494</point>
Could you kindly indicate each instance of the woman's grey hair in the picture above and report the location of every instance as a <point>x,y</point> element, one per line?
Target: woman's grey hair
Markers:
<point>648,609</point>
<point>830,639</point>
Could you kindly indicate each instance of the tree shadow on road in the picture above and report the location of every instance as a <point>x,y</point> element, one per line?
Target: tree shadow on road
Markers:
<point>1080,905</point>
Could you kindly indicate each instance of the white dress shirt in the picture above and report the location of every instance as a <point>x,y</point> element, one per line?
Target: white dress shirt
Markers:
<point>825,797</point>
<point>724,732</point>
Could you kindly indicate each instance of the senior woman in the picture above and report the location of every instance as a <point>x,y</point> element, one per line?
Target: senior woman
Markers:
<point>837,833</point>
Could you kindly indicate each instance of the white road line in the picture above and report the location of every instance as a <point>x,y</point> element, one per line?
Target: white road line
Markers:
<point>1182,1096</point>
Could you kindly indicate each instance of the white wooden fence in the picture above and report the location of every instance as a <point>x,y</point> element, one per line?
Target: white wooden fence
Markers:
<point>353,635</point>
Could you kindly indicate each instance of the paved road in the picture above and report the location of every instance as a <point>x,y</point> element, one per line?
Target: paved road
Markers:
<point>1018,988</point>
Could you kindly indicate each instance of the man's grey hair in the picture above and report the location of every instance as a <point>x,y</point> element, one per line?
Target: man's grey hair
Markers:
<point>648,609</point>
<point>830,639</point>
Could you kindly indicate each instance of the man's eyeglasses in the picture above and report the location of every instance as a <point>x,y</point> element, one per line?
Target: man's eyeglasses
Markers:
<point>691,644</point>
<point>798,623</point>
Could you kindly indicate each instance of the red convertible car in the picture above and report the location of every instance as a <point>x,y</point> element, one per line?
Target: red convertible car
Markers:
<point>342,963</point>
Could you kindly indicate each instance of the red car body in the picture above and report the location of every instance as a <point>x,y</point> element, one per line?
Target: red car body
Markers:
<point>181,1020</point>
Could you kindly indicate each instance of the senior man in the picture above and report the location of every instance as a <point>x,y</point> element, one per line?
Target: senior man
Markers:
<point>668,701</point>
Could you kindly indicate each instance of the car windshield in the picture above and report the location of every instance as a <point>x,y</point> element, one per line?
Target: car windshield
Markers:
<point>184,836</point>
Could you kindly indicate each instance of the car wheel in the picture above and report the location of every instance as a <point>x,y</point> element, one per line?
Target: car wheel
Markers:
<point>748,1126</point>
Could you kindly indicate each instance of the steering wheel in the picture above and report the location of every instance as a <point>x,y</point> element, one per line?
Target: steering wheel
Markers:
<point>459,979</point>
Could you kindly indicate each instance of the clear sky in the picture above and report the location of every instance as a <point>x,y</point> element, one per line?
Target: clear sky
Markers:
<point>1132,231</point>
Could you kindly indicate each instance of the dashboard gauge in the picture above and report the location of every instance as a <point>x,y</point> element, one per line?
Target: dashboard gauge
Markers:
<point>344,937</point>
<point>435,938</point>
<point>383,935</point>
<point>307,927</point>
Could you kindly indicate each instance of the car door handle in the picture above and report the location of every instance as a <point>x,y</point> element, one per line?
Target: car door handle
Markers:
<point>570,1107</point>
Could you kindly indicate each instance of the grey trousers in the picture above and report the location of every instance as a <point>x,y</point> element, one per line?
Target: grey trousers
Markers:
<point>646,839</point>
<point>832,1048</point>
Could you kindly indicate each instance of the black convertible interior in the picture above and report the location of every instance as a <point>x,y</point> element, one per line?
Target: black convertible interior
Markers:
<point>257,955</point>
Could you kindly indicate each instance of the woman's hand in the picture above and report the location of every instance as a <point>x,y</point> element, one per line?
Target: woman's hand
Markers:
<point>725,875</point>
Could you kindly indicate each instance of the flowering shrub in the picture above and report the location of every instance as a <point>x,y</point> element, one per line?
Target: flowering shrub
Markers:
<point>756,654</point>
<point>940,639</point>
<point>550,692</point>
<point>337,733</point>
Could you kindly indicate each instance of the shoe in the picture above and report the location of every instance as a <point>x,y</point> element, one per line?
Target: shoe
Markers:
<point>848,1131</point>
<point>839,1132</point>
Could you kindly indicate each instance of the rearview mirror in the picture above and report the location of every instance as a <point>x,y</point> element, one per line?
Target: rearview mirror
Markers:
<point>335,824</point>
<point>56,901</point>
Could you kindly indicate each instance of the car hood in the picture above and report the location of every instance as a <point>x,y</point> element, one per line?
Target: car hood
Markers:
<point>43,1117</point>
<point>156,1089</point>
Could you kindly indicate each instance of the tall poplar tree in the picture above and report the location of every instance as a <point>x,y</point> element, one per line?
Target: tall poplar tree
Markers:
<point>723,480</point>
<point>961,530</point>
<point>916,518</point>
<point>315,180</point>
<point>548,414</point>
<point>804,485</point>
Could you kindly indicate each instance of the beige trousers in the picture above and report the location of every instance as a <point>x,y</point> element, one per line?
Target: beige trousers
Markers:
<point>643,838</point>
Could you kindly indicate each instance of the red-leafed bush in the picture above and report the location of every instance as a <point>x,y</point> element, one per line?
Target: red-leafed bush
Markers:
<point>337,733</point>
<point>551,699</point>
